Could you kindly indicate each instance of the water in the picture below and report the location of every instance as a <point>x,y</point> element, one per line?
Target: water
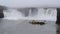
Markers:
<point>13,24</point>
<point>24,27</point>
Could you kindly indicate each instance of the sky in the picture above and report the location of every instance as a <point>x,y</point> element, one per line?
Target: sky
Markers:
<point>30,3</point>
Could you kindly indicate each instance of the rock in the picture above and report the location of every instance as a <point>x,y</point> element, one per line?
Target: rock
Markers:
<point>1,15</point>
<point>1,12</point>
<point>58,16</point>
<point>34,22</point>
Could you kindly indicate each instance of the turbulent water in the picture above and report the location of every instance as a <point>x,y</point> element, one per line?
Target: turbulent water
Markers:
<point>31,14</point>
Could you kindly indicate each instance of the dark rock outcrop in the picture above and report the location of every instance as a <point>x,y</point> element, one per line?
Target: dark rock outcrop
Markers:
<point>1,12</point>
<point>58,16</point>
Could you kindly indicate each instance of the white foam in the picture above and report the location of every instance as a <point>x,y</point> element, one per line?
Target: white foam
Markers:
<point>13,14</point>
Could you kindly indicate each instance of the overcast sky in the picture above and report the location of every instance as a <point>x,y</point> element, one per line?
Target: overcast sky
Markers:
<point>30,3</point>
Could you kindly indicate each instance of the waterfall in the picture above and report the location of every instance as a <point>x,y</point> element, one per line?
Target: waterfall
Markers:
<point>33,14</point>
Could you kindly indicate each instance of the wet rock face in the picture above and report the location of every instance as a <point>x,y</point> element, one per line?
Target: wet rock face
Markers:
<point>1,12</point>
<point>58,16</point>
<point>1,15</point>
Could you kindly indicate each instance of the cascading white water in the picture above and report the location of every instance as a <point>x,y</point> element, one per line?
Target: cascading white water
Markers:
<point>12,14</point>
<point>39,14</point>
